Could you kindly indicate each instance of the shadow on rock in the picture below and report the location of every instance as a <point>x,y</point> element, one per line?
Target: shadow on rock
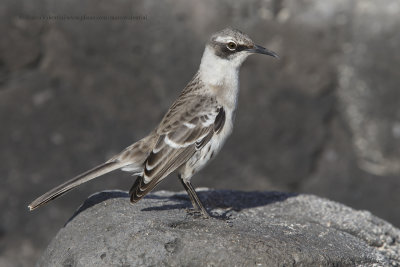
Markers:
<point>212,199</point>
<point>225,199</point>
<point>98,198</point>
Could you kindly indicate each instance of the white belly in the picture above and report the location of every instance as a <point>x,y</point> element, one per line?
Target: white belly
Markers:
<point>209,151</point>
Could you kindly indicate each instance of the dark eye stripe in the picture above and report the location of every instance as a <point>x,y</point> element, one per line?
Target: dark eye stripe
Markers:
<point>241,48</point>
<point>224,52</point>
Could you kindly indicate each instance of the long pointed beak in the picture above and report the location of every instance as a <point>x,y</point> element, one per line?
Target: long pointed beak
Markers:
<point>261,50</point>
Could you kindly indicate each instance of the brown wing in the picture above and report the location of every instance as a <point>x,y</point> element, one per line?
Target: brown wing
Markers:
<point>188,131</point>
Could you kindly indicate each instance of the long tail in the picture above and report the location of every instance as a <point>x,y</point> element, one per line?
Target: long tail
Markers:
<point>74,182</point>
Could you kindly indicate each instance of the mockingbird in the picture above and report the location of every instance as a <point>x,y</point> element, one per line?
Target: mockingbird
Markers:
<point>192,131</point>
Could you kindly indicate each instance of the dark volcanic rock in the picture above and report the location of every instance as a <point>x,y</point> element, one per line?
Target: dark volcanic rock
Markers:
<point>250,228</point>
<point>323,120</point>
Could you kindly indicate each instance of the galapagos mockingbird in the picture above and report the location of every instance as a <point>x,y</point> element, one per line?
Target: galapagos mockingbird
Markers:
<point>192,131</point>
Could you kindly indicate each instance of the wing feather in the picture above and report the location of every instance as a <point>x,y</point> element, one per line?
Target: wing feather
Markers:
<point>181,134</point>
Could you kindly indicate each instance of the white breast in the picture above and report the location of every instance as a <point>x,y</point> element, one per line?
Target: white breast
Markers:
<point>210,150</point>
<point>221,79</point>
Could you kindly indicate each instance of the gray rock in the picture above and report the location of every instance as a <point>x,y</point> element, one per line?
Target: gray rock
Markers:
<point>73,93</point>
<point>249,228</point>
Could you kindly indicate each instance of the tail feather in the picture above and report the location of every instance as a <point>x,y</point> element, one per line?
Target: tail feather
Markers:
<point>74,182</point>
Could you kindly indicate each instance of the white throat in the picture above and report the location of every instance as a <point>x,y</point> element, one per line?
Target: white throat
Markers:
<point>221,75</point>
<point>217,71</point>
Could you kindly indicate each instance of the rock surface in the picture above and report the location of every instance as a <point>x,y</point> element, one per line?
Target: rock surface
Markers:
<point>73,93</point>
<point>249,228</point>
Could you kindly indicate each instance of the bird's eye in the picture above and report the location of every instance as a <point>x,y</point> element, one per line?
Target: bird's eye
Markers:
<point>231,46</point>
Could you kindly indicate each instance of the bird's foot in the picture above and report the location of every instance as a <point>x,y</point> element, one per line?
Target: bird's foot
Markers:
<point>198,213</point>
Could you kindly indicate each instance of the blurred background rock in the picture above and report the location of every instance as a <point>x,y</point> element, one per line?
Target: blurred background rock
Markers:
<point>324,119</point>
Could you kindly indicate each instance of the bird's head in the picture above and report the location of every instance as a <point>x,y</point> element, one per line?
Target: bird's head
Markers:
<point>224,54</point>
<point>234,46</point>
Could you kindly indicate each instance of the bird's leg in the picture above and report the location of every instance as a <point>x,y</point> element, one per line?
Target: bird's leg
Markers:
<point>197,205</point>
